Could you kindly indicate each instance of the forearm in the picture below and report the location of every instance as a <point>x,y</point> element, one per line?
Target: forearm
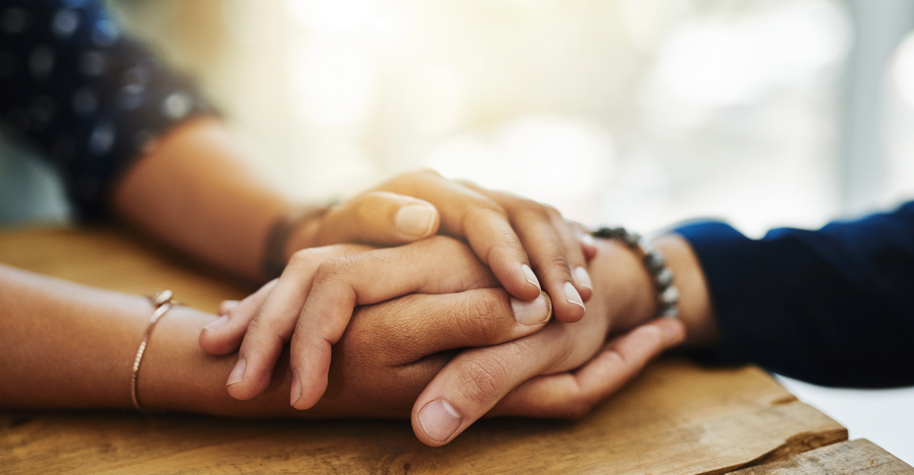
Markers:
<point>70,346</point>
<point>66,345</point>
<point>193,191</point>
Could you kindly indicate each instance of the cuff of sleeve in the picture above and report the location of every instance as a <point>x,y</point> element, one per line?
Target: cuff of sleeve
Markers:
<point>740,282</point>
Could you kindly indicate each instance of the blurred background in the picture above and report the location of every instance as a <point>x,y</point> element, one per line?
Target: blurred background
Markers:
<point>765,113</point>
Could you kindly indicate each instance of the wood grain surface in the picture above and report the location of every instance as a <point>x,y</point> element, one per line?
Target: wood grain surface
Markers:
<point>676,418</point>
<point>857,456</point>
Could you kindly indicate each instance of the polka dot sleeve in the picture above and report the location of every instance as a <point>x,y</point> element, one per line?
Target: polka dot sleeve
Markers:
<point>85,95</point>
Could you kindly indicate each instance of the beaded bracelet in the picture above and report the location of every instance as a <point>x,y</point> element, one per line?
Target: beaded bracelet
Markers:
<point>667,293</point>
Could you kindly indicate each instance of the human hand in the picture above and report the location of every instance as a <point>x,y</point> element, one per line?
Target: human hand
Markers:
<point>526,376</point>
<point>530,376</point>
<point>311,305</point>
<point>522,241</point>
<point>392,350</point>
<point>375,378</point>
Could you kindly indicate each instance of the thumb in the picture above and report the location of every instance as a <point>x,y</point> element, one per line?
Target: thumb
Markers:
<point>379,217</point>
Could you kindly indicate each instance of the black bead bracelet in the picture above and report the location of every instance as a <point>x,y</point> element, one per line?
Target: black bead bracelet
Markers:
<point>667,293</point>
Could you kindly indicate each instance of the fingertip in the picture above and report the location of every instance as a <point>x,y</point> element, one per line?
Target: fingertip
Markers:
<point>248,379</point>
<point>227,306</point>
<point>518,280</point>
<point>437,423</point>
<point>216,324</point>
<point>532,315</point>
<point>588,245</point>
<point>215,339</point>
<point>569,314</point>
<point>234,383</point>
<point>312,370</point>
<point>295,388</point>
<point>585,292</point>
<point>569,306</point>
<point>308,393</point>
<point>589,253</point>
<point>672,331</point>
<point>583,283</point>
<point>530,277</point>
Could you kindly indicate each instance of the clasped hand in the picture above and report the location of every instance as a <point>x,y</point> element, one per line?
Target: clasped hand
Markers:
<point>429,328</point>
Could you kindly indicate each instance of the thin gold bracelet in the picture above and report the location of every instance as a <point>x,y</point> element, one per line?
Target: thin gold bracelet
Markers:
<point>162,302</point>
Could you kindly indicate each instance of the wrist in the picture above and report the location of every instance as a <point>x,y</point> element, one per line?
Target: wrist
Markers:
<point>622,278</point>
<point>632,294</point>
<point>695,309</point>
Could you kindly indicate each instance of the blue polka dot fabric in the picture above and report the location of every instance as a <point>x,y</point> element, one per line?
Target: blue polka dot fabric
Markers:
<point>88,97</point>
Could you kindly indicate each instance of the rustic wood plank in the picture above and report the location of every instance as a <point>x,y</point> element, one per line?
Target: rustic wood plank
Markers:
<point>109,259</point>
<point>857,456</point>
<point>675,418</point>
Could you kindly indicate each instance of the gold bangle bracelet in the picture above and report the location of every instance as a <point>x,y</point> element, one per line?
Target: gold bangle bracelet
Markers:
<point>162,302</point>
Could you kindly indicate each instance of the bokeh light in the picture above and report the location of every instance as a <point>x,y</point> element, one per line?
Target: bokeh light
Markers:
<point>640,111</point>
<point>902,71</point>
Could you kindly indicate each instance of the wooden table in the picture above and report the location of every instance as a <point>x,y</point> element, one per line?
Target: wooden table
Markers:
<point>676,418</point>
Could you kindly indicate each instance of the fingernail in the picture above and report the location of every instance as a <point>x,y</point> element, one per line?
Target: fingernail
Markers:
<point>531,313</point>
<point>237,373</point>
<point>217,323</point>
<point>582,277</point>
<point>227,306</point>
<point>530,276</point>
<point>588,240</point>
<point>296,388</point>
<point>415,220</point>
<point>572,295</point>
<point>439,420</point>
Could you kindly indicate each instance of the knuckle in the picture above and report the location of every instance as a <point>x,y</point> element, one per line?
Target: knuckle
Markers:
<point>552,211</point>
<point>431,172</point>
<point>483,207</point>
<point>484,378</point>
<point>530,205</point>
<point>510,246</point>
<point>332,270</point>
<point>481,319</point>
<point>559,262</point>
<point>466,182</point>
<point>303,258</point>
<point>265,330</point>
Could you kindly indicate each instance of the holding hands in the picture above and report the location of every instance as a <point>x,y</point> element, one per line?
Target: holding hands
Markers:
<point>411,306</point>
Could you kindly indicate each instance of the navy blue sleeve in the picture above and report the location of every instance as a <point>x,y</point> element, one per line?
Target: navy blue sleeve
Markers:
<point>832,307</point>
<point>87,97</point>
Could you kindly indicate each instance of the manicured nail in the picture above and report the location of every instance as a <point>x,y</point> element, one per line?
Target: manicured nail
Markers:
<point>415,220</point>
<point>227,306</point>
<point>217,323</point>
<point>530,276</point>
<point>588,240</point>
<point>531,313</point>
<point>572,295</point>
<point>237,373</point>
<point>296,388</point>
<point>439,420</point>
<point>583,278</point>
